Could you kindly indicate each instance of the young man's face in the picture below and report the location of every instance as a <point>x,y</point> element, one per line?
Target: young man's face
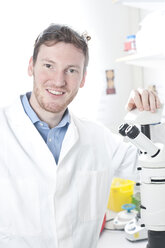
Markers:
<point>58,74</point>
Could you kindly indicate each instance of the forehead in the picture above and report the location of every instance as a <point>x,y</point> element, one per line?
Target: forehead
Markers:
<point>61,51</point>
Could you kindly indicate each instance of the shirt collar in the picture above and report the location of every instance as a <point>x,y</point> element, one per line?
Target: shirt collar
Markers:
<point>33,116</point>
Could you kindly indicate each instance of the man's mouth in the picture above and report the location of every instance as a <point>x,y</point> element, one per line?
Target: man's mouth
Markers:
<point>55,92</point>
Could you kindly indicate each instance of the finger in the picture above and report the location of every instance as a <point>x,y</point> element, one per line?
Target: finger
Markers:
<point>138,100</point>
<point>152,100</point>
<point>134,101</point>
<point>130,103</point>
<point>158,103</point>
<point>145,100</point>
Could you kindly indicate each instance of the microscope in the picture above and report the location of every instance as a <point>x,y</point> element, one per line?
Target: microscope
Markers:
<point>139,129</point>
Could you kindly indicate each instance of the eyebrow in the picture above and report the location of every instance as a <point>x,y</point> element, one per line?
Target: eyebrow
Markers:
<point>53,62</point>
<point>76,66</point>
<point>48,60</point>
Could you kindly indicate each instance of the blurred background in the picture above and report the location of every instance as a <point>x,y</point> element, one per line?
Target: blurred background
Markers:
<point>126,50</point>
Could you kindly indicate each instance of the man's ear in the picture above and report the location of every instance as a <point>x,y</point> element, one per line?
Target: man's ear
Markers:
<point>83,80</point>
<point>30,67</point>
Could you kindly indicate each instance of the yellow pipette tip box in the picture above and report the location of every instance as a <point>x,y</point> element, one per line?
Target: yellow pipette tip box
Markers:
<point>121,192</point>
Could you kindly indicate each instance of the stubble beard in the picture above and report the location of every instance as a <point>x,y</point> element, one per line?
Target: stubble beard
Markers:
<point>52,107</point>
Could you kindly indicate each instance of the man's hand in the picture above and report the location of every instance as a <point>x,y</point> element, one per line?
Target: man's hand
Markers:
<point>143,99</point>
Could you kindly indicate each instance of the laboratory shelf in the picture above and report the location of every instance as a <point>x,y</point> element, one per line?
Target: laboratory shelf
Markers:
<point>143,4</point>
<point>152,60</point>
<point>144,60</point>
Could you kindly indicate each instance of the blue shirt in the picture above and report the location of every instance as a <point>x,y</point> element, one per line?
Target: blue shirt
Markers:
<point>54,136</point>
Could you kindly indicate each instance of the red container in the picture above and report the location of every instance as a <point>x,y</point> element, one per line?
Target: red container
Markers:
<point>103,224</point>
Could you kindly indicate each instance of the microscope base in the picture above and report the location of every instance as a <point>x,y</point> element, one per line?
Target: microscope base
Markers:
<point>156,239</point>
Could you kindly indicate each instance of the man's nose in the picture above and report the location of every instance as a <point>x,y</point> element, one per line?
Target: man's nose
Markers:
<point>59,79</point>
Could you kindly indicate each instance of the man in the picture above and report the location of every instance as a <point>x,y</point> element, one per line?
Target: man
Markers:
<point>56,169</point>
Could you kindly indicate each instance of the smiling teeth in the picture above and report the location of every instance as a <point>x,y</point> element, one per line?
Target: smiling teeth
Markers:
<point>54,92</point>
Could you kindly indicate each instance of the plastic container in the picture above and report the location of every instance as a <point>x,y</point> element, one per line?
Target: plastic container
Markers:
<point>103,224</point>
<point>130,43</point>
<point>120,193</point>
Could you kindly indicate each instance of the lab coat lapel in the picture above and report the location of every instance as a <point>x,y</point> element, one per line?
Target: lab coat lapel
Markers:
<point>29,138</point>
<point>70,139</point>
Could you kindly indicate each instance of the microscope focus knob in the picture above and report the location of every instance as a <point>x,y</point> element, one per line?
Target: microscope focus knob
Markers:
<point>138,184</point>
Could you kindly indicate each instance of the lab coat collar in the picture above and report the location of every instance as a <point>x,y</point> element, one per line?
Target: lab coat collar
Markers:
<point>31,140</point>
<point>34,117</point>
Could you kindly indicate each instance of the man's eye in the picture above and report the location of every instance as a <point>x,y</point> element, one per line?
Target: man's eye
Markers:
<point>72,70</point>
<point>49,66</point>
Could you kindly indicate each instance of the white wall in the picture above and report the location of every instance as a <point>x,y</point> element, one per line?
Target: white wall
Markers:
<point>112,23</point>
<point>108,25</point>
<point>20,24</point>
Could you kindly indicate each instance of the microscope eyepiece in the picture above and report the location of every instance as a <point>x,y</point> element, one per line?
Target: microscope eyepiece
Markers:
<point>122,129</point>
<point>132,132</point>
<point>139,139</point>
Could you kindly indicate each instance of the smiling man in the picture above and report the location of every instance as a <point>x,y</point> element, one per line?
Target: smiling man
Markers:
<point>58,74</point>
<point>56,169</point>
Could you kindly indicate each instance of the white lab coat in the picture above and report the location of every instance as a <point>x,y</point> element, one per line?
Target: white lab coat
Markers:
<point>47,206</point>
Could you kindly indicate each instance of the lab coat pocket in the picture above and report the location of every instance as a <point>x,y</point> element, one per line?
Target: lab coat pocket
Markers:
<point>93,191</point>
<point>19,207</point>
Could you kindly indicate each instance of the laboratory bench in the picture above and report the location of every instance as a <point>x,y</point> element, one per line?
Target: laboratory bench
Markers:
<point>116,239</point>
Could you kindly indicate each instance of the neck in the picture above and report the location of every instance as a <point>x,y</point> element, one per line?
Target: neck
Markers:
<point>52,119</point>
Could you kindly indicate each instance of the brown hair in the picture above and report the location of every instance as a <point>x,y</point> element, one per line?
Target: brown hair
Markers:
<point>61,33</point>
